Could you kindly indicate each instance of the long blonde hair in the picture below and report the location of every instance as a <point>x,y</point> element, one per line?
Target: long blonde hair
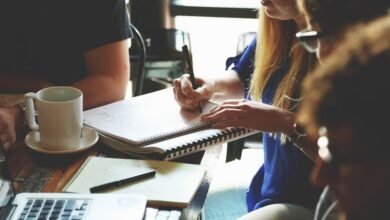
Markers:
<point>276,45</point>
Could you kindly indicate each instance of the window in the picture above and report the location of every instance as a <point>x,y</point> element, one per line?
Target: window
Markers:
<point>213,39</point>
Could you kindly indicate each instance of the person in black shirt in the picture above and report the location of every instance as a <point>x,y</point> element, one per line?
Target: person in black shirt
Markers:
<point>79,43</point>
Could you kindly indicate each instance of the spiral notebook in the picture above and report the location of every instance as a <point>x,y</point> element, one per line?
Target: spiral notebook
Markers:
<point>154,126</point>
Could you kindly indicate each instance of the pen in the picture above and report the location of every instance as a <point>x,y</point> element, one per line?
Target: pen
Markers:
<point>121,182</point>
<point>188,64</point>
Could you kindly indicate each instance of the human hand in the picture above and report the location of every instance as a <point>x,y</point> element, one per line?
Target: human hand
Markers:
<point>10,122</point>
<point>250,114</point>
<point>186,96</point>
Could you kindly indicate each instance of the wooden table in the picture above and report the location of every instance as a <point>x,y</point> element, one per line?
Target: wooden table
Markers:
<point>36,172</point>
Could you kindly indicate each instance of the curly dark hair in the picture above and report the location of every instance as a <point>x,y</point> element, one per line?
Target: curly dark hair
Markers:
<point>333,16</point>
<point>352,87</point>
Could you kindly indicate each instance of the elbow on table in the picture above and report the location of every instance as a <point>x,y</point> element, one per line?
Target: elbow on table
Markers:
<point>117,86</point>
<point>117,92</point>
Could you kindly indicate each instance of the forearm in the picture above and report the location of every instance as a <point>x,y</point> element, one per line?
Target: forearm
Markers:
<point>21,84</point>
<point>108,71</point>
<point>101,89</point>
<point>227,85</point>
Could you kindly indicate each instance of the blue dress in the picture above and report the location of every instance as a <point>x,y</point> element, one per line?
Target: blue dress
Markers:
<point>284,176</point>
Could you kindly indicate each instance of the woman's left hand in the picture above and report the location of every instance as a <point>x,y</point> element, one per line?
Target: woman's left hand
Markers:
<point>250,114</point>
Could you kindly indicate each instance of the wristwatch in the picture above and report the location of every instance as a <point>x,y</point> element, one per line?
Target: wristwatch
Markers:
<point>299,132</point>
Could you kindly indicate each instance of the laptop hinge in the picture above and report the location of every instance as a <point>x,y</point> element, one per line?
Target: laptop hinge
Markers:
<point>7,212</point>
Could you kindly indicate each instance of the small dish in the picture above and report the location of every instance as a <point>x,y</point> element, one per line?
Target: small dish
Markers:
<point>90,138</point>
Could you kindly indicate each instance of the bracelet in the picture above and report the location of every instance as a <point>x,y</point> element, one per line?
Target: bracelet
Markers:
<point>22,107</point>
<point>299,132</point>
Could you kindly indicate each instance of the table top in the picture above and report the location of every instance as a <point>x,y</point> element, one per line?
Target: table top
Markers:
<point>37,172</point>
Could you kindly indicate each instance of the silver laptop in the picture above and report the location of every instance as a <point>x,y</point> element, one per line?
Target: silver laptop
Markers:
<point>65,206</point>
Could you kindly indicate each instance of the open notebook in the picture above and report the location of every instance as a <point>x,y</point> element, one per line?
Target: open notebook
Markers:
<point>174,184</point>
<point>154,126</point>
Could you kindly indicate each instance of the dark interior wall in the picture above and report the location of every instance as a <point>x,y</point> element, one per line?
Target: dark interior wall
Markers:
<point>150,15</point>
<point>163,43</point>
<point>154,21</point>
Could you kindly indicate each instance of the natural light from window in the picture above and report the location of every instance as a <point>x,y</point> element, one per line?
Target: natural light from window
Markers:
<point>213,39</point>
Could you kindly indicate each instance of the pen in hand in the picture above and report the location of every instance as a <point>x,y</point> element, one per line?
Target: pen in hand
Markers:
<point>121,182</point>
<point>190,69</point>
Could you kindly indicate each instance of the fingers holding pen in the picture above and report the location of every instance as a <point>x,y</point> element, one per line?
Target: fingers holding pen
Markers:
<point>186,85</point>
<point>184,94</point>
<point>180,97</point>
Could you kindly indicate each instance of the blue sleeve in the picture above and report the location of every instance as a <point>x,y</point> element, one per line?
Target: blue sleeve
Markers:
<point>243,64</point>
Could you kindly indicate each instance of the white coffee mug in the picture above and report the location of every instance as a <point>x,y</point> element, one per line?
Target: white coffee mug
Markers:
<point>60,117</point>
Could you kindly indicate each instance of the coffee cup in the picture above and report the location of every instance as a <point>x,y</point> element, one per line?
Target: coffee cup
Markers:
<point>60,117</point>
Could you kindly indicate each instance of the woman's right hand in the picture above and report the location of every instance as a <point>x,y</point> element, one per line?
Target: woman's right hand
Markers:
<point>187,97</point>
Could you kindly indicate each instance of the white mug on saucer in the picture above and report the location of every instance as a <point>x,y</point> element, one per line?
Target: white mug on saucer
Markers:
<point>60,117</point>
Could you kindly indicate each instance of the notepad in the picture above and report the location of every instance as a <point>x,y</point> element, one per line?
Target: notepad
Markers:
<point>154,126</point>
<point>174,184</point>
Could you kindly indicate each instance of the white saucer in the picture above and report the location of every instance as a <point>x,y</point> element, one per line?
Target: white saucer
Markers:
<point>90,137</point>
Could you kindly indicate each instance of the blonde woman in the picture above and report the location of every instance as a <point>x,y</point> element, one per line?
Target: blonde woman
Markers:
<point>280,189</point>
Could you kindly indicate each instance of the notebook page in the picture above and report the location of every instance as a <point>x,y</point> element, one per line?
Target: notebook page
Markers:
<point>92,174</point>
<point>174,184</point>
<point>144,118</point>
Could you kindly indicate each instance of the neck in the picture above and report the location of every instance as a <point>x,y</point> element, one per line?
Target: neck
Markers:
<point>300,21</point>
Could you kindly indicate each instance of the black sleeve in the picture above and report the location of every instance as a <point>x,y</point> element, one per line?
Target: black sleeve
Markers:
<point>106,21</point>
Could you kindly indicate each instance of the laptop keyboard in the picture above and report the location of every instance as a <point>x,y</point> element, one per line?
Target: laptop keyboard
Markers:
<point>53,209</point>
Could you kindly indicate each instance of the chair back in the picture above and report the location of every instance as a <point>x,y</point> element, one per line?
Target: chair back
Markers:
<point>139,76</point>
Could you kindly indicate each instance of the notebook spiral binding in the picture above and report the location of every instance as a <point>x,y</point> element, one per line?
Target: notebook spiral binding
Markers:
<point>185,130</point>
<point>229,134</point>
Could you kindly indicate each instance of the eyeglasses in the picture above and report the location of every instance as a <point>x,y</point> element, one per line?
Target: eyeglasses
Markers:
<point>337,160</point>
<point>308,39</point>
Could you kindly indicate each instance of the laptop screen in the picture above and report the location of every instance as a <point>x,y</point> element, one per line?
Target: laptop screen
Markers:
<point>6,189</point>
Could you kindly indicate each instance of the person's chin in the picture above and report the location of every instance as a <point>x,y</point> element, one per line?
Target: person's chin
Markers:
<point>274,14</point>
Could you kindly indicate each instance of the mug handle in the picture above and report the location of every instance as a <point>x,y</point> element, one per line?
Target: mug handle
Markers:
<point>30,111</point>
